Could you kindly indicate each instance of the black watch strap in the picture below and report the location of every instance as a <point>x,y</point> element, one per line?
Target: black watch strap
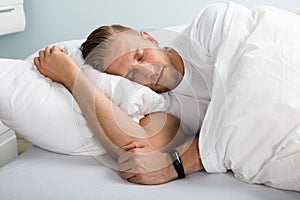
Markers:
<point>177,164</point>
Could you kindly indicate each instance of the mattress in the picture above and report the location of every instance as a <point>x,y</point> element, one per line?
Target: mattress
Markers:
<point>40,174</point>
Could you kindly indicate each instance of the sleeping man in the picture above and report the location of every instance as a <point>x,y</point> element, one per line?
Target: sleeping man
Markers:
<point>155,150</point>
<point>136,55</point>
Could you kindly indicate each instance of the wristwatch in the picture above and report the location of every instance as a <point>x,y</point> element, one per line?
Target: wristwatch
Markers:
<point>177,164</point>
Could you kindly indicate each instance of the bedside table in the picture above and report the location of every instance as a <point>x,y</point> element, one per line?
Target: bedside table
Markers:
<point>8,144</point>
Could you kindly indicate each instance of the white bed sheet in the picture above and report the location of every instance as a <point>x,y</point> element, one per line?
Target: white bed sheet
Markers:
<point>40,174</point>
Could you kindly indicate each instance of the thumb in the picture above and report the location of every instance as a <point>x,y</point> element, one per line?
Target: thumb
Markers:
<point>132,145</point>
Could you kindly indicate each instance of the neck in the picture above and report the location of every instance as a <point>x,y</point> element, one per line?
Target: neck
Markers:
<point>177,60</point>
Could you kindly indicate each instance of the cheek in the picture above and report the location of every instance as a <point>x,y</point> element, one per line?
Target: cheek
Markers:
<point>117,67</point>
<point>142,81</point>
<point>155,56</point>
<point>171,78</point>
<point>111,69</point>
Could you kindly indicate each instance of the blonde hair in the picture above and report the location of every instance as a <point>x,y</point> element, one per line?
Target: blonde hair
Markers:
<point>98,44</point>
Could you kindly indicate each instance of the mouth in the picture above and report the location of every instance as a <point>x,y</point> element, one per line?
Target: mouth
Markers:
<point>160,75</point>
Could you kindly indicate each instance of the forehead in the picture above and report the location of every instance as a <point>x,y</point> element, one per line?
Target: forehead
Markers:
<point>125,44</point>
<point>129,41</point>
<point>122,44</point>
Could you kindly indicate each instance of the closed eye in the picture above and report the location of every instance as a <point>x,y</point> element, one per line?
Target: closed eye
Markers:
<point>139,55</point>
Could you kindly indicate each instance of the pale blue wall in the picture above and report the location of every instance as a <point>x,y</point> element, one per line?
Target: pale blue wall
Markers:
<point>50,21</point>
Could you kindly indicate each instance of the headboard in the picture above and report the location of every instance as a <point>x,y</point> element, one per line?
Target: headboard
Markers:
<point>12,16</point>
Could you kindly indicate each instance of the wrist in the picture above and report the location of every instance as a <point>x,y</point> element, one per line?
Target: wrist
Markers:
<point>177,163</point>
<point>171,171</point>
<point>70,81</point>
<point>191,158</point>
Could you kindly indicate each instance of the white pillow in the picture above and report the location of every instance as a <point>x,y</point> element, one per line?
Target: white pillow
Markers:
<point>136,100</point>
<point>45,113</point>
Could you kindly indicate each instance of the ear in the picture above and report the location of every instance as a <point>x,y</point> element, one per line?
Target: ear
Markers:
<point>149,37</point>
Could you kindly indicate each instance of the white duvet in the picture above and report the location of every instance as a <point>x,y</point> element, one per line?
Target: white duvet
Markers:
<point>252,125</point>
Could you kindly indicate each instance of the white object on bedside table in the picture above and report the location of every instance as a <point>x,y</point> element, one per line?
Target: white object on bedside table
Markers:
<point>8,144</point>
<point>12,16</point>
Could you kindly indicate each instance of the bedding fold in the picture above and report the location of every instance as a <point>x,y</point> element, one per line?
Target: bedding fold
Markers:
<point>252,123</point>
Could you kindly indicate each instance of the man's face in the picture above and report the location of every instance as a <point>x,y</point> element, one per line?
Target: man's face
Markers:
<point>138,58</point>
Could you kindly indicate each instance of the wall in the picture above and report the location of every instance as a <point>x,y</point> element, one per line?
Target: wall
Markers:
<point>50,21</point>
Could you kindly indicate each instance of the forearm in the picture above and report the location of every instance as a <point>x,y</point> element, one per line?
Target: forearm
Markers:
<point>110,124</point>
<point>157,167</point>
<point>190,156</point>
<point>114,128</point>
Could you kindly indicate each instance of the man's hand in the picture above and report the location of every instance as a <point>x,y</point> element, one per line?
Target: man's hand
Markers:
<point>141,164</point>
<point>54,63</point>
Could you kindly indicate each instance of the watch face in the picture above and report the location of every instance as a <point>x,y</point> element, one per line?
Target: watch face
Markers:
<point>176,162</point>
<point>175,156</point>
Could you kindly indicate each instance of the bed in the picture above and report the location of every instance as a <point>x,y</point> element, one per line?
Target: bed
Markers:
<point>40,174</point>
<point>64,168</point>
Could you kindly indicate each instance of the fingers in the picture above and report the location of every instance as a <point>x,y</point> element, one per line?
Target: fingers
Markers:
<point>37,62</point>
<point>124,158</point>
<point>128,147</point>
<point>132,173</point>
<point>144,179</point>
<point>127,162</point>
<point>63,51</point>
<point>125,167</point>
<point>55,48</point>
<point>42,55</point>
<point>135,179</point>
<point>133,145</point>
<point>131,156</point>
<point>127,176</point>
<point>47,51</point>
<point>131,163</point>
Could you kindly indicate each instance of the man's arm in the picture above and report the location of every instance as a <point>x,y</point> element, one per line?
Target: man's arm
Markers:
<point>111,125</point>
<point>156,167</point>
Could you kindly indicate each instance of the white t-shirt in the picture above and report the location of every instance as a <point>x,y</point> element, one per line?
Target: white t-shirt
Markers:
<point>198,46</point>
